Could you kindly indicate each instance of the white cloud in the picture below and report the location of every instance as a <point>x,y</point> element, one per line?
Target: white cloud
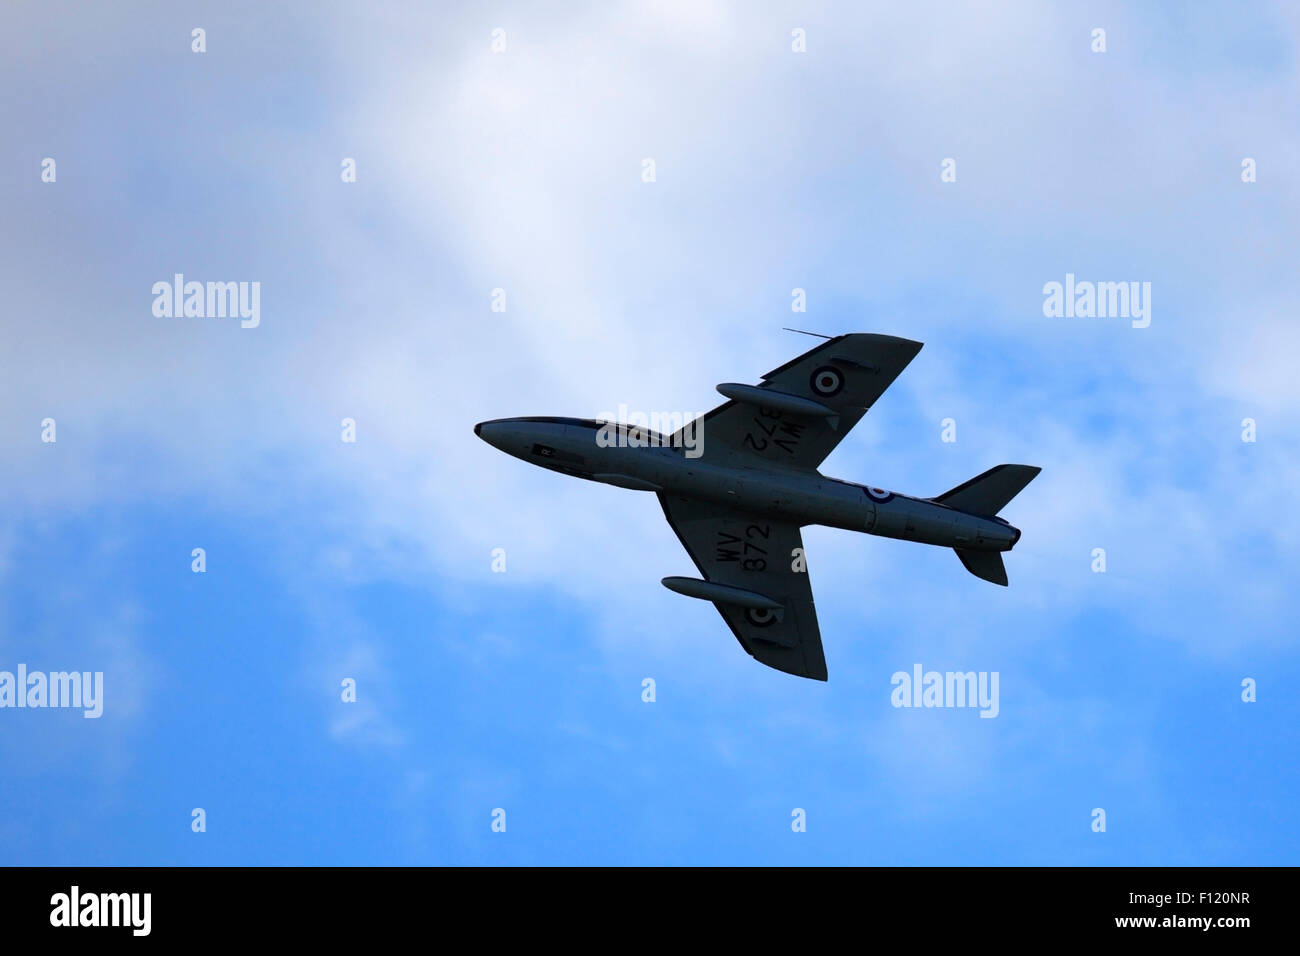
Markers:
<point>774,170</point>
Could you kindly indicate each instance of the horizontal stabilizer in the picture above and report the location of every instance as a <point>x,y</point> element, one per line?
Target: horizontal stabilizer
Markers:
<point>984,564</point>
<point>987,494</point>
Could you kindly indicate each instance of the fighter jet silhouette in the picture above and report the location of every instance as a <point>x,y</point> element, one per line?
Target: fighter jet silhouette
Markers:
<point>737,485</point>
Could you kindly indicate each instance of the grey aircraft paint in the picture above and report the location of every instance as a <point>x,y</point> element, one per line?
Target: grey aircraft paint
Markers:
<point>739,505</point>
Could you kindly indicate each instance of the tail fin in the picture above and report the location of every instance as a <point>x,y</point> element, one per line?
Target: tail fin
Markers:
<point>984,564</point>
<point>987,494</point>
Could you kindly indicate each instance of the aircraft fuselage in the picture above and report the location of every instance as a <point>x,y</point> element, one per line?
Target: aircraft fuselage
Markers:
<point>645,461</point>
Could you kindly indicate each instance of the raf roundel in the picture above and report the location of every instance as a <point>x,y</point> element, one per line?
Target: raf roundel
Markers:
<point>827,381</point>
<point>761,617</point>
<point>879,494</point>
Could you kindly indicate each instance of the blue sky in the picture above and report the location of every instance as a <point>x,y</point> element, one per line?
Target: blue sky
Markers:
<point>522,170</point>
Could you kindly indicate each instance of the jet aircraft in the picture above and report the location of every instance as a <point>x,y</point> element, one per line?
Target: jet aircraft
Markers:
<point>739,488</point>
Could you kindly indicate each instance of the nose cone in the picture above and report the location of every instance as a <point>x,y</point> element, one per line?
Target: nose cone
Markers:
<point>534,439</point>
<point>490,432</point>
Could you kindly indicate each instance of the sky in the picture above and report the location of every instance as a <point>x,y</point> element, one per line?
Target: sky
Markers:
<point>503,146</point>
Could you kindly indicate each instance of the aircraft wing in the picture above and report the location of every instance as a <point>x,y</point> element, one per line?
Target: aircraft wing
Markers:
<point>844,376</point>
<point>756,553</point>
